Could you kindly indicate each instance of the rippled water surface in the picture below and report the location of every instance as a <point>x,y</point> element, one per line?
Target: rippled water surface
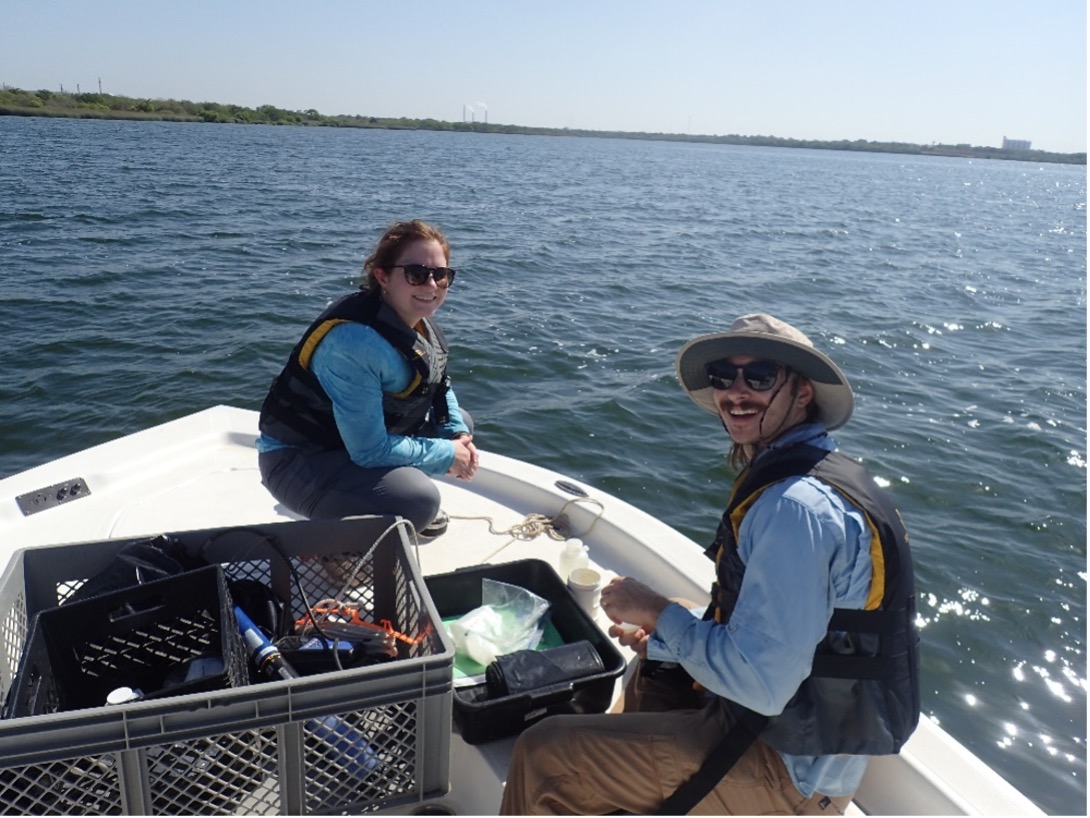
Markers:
<point>149,270</point>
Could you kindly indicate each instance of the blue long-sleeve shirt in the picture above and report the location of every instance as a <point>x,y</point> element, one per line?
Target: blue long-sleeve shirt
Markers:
<point>806,550</point>
<point>355,366</point>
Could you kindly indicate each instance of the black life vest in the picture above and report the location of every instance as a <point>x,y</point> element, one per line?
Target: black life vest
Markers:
<point>298,412</point>
<point>862,696</point>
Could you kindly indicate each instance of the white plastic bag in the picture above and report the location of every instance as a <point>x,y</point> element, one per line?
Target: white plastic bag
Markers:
<point>506,621</point>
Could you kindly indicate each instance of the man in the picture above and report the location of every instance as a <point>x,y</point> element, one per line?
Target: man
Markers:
<point>804,664</point>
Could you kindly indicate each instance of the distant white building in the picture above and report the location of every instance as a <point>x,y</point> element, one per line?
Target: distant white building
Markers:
<point>1015,144</point>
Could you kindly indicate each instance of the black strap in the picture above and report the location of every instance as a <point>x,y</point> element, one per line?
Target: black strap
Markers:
<point>718,763</point>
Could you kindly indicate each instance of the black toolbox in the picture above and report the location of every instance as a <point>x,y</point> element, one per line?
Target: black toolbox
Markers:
<point>480,719</point>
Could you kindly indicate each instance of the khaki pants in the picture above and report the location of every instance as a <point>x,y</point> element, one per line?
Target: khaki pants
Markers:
<point>632,761</point>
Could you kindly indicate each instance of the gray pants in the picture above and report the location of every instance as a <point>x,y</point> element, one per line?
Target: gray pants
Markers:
<point>328,485</point>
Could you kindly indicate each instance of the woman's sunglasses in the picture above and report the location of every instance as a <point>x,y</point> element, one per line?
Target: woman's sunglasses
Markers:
<point>417,274</point>
<point>760,376</point>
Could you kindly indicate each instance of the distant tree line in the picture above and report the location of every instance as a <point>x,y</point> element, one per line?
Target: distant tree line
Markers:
<point>16,102</point>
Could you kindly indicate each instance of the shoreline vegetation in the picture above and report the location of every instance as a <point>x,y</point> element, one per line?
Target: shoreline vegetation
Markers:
<point>17,102</point>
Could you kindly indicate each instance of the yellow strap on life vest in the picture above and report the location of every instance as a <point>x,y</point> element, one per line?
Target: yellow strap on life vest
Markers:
<point>877,556</point>
<point>412,385</point>
<point>878,568</point>
<point>306,352</point>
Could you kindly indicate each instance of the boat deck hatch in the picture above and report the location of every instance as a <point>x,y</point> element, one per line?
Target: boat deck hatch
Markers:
<point>570,488</point>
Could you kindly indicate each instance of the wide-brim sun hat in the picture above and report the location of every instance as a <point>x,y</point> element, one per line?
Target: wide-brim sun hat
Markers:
<point>768,339</point>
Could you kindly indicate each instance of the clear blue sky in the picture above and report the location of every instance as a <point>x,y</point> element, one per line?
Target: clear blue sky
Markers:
<point>950,71</point>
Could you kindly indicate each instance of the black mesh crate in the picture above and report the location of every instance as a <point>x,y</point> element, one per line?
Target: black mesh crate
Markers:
<point>138,637</point>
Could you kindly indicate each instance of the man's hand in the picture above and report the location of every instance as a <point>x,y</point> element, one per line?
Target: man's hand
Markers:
<point>631,636</point>
<point>629,600</point>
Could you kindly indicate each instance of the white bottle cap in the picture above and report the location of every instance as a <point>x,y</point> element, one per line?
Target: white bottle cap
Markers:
<point>121,695</point>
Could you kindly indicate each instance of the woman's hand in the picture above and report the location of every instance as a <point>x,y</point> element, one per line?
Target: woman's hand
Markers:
<point>466,458</point>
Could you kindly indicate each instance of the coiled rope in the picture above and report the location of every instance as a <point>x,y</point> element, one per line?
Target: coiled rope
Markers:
<point>533,525</point>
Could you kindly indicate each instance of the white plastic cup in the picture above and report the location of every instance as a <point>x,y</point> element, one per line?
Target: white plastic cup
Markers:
<point>586,586</point>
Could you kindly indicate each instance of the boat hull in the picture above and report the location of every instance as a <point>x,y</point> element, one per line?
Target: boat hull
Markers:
<point>200,471</point>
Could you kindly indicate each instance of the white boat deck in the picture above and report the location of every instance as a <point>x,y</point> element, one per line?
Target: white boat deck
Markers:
<point>201,472</point>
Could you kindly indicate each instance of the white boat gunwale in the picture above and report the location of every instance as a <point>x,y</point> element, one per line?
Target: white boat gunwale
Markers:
<point>199,471</point>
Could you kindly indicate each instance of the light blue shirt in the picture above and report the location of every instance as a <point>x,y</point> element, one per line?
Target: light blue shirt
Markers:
<point>355,366</point>
<point>806,550</point>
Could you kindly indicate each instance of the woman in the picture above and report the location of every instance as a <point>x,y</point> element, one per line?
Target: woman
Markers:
<point>363,411</point>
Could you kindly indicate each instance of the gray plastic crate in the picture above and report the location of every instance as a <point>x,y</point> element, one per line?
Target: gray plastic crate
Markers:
<point>276,747</point>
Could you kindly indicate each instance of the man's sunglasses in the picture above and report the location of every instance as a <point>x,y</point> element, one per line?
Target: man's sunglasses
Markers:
<point>760,376</point>
<point>417,274</point>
